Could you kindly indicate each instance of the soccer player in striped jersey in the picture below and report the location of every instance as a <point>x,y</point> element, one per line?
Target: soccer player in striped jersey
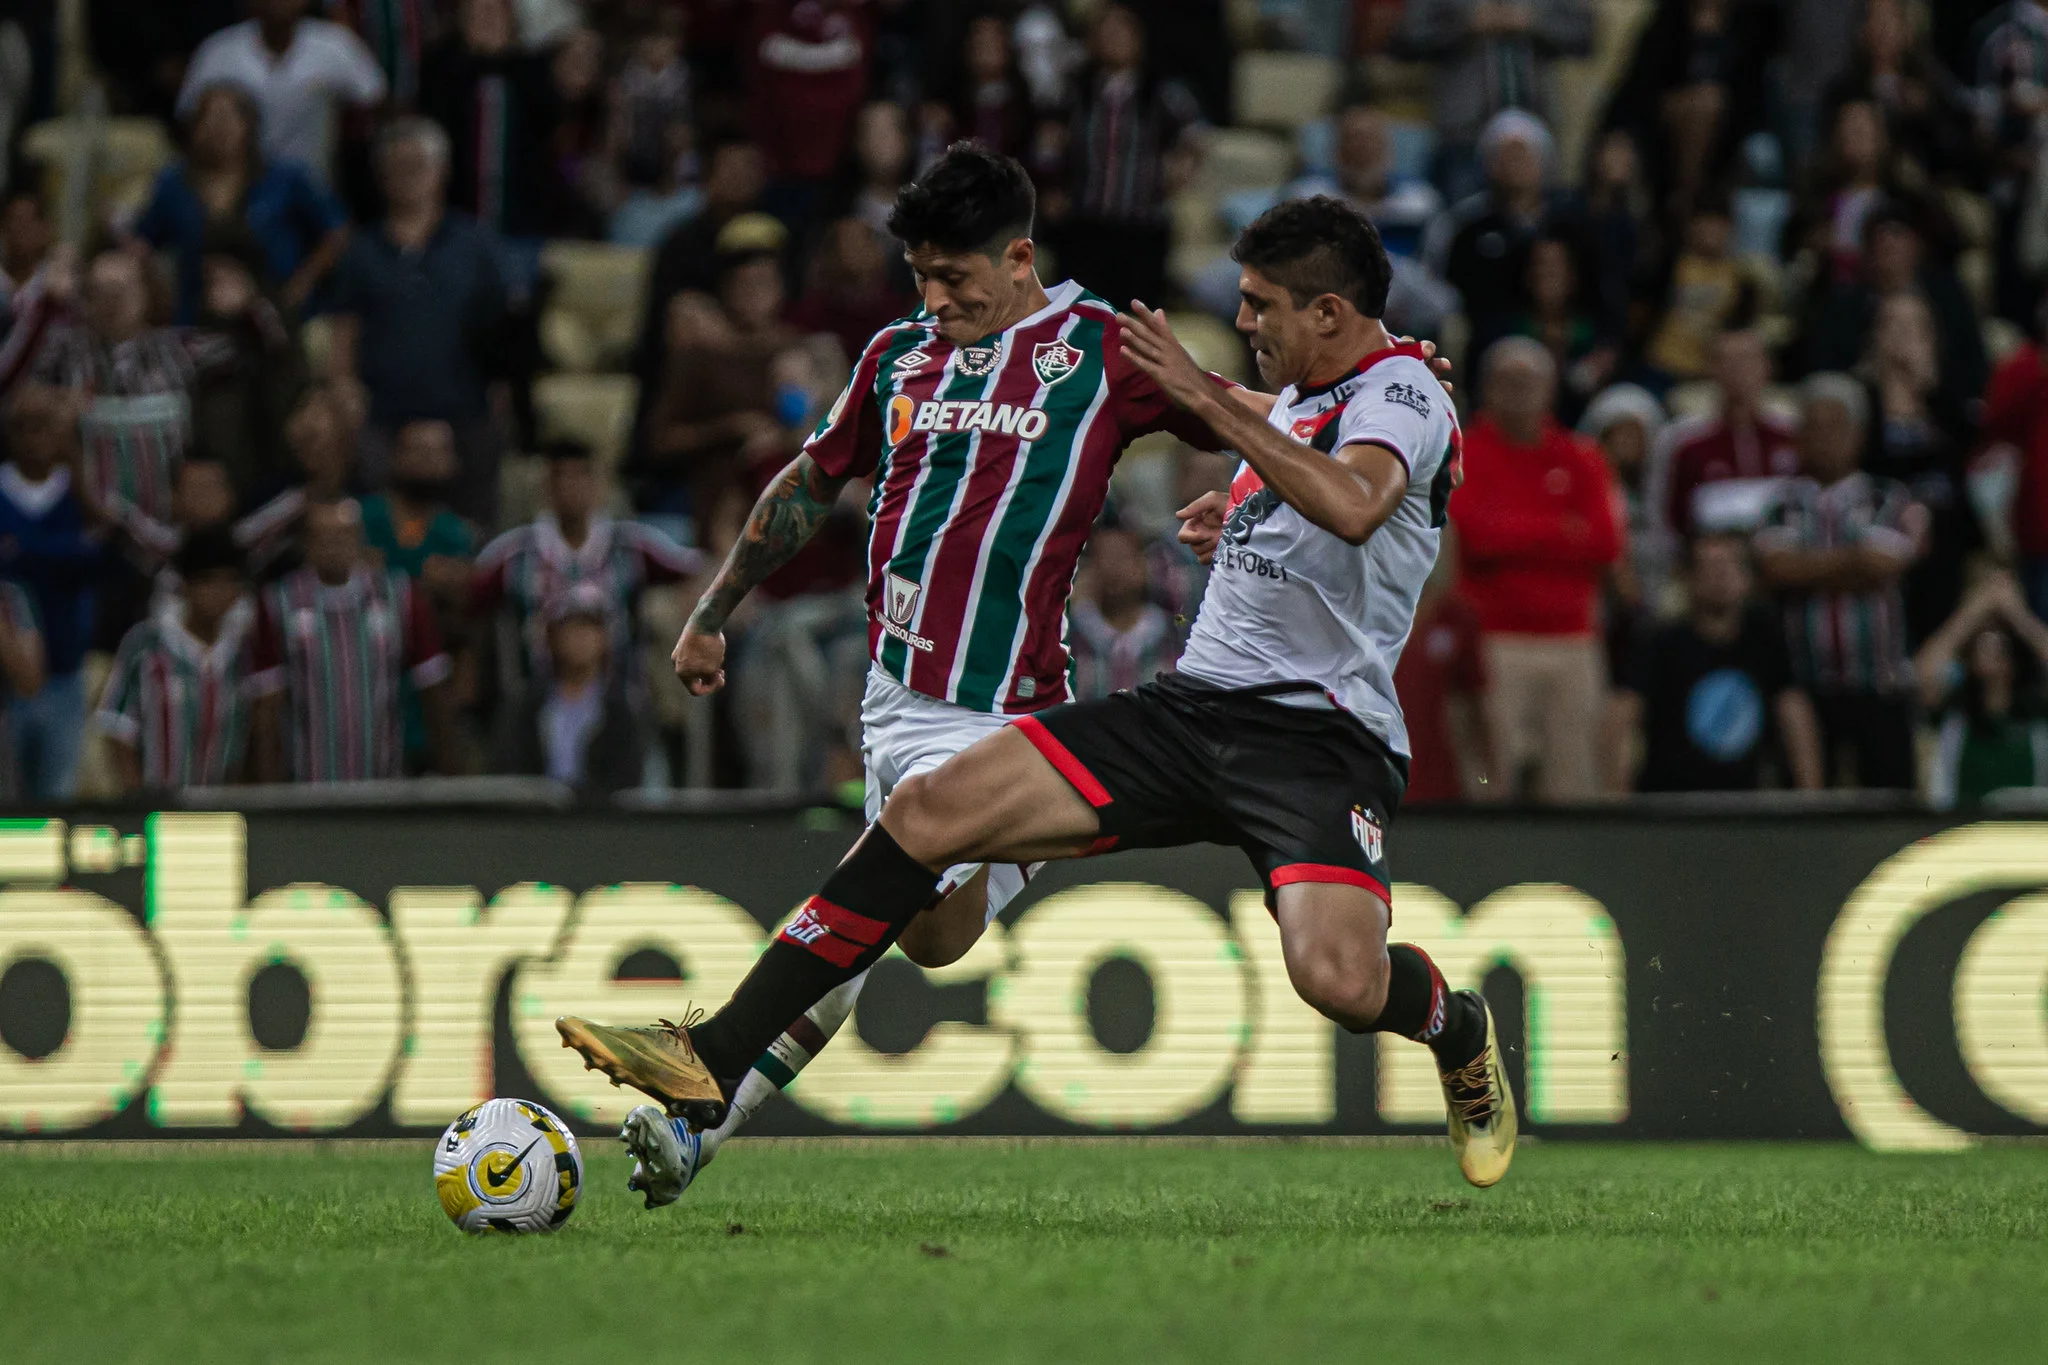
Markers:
<point>1281,733</point>
<point>176,708</point>
<point>989,424</point>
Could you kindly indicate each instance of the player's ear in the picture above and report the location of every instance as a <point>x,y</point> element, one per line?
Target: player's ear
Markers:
<point>1020,257</point>
<point>1327,311</point>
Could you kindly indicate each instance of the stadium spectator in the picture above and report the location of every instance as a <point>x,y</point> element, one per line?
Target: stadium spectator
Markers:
<point>1709,293</point>
<point>2016,412</point>
<point>1704,698</point>
<point>1132,142</point>
<point>22,670</point>
<point>1981,676</point>
<point>144,46</point>
<point>1628,422</point>
<point>1491,55</point>
<point>225,178</point>
<point>496,102</point>
<point>1480,246</point>
<point>337,641</point>
<point>685,264</point>
<point>807,73</point>
<point>718,407</point>
<point>2011,80</point>
<point>1441,681</point>
<point>321,437</point>
<point>1119,637</point>
<point>575,725</point>
<point>419,310</point>
<point>1626,242</point>
<point>301,72</point>
<point>1925,106</point>
<point>573,541</point>
<point>1561,317</point>
<point>1909,444</point>
<point>1726,468</point>
<point>176,708</point>
<point>1841,316</point>
<point>255,371</point>
<point>202,500</point>
<point>985,97</point>
<point>850,295</point>
<point>1693,90</point>
<point>658,192</point>
<point>1537,524</point>
<point>52,542</point>
<point>37,281</point>
<point>651,94</point>
<point>411,526</point>
<point>1835,548</point>
<point>581,181</point>
<point>1857,177</point>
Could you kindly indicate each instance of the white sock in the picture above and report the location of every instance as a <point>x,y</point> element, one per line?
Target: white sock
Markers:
<point>789,1055</point>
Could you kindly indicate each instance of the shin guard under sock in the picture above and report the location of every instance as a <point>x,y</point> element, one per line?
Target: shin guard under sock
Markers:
<point>840,933</point>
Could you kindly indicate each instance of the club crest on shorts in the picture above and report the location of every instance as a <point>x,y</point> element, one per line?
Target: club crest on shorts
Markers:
<point>1365,827</point>
<point>1054,360</point>
<point>977,362</point>
<point>902,604</point>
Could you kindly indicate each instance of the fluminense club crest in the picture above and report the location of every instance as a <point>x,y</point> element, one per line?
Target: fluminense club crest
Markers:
<point>977,362</point>
<point>1054,360</point>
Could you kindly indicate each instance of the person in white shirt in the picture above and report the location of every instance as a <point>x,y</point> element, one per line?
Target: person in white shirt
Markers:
<point>297,69</point>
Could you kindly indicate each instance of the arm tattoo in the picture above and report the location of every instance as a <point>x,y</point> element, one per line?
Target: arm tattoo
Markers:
<point>788,514</point>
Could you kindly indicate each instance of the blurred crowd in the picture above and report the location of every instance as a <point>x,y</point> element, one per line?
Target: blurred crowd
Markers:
<point>390,421</point>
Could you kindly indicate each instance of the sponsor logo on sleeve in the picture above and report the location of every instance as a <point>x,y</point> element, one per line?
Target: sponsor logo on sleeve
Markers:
<point>1408,396</point>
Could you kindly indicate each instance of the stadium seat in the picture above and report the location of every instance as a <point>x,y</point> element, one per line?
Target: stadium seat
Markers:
<point>594,304</point>
<point>596,409</point>
<point>1284,89</point>
<point>1244,159</point>
<point>133,151</point>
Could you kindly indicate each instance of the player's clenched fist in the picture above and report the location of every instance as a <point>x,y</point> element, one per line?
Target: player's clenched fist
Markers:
<point>700,661</point>
<point>1201,523</point>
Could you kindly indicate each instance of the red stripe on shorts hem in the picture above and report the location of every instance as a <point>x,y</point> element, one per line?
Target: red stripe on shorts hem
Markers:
<point>1291,873</point>
<point>1057,754</point>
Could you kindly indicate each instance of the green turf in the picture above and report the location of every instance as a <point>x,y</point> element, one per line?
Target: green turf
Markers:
<point>973,1252</point>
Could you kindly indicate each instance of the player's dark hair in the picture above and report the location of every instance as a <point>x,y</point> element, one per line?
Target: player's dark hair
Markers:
<point>1311,247</point>
<point>970,199</point>
<point>210,550</point>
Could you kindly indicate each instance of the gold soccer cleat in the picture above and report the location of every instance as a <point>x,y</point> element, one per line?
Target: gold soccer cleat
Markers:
<point>656,1059</point>
<point>1481,1110</point>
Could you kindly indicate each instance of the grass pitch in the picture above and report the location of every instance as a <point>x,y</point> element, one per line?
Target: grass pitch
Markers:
<point>977,1251</point>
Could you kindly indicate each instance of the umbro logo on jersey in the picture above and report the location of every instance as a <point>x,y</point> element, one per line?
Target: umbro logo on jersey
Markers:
<point>1054,360</point>
<point>910,362</point>
<point>977,362</point>
<point>1365,827</point>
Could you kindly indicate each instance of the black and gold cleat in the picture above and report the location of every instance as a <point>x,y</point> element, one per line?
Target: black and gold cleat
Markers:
<point>1480,1108</point>
<point>658,1060</point>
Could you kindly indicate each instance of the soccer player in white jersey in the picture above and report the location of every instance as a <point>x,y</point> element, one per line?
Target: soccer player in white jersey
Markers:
<point>1281,734</point>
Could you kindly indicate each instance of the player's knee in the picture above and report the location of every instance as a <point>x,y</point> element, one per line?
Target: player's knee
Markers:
<point>1347,986</point>
<point>928,823</point>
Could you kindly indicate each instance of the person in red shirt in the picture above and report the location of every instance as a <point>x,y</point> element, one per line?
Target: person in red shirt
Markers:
<point>1538,521</point>
<point>1724,469</point>
<point>807,74</point>
<point>2016,413</point>
<point>1441,681</point>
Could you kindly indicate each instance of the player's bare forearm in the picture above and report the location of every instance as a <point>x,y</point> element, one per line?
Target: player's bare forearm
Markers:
<point>1347,497</point>
<point>788,514</point>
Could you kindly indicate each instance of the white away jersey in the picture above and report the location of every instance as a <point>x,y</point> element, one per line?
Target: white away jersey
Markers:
<point>1290,602</point>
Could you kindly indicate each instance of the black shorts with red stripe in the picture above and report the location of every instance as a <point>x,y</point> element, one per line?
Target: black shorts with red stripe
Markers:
<point>1306,791</point>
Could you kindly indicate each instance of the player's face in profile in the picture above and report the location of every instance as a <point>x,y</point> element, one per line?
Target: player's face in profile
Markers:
<point>970,292</point>
<point>1281,334</point>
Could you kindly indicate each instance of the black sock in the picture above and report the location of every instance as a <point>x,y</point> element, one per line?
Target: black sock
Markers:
<point>840,933</point>
<point>1419,1007</point>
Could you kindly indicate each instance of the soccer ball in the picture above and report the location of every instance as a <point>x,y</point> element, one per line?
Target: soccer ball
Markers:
<point>508,1166</point>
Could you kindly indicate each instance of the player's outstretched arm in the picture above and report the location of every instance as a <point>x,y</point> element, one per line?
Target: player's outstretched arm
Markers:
<point>1350,496</point>
<point>788,514</point>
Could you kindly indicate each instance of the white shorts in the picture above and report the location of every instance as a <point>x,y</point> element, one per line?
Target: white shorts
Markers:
<point>904,733</point>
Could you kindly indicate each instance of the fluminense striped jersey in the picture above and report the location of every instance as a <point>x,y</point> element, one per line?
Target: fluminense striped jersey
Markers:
<point>530,566</point>
<point>1844,641</point>
<point>991,463</point>
<point>182,705</point>
<point>339,655</point>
